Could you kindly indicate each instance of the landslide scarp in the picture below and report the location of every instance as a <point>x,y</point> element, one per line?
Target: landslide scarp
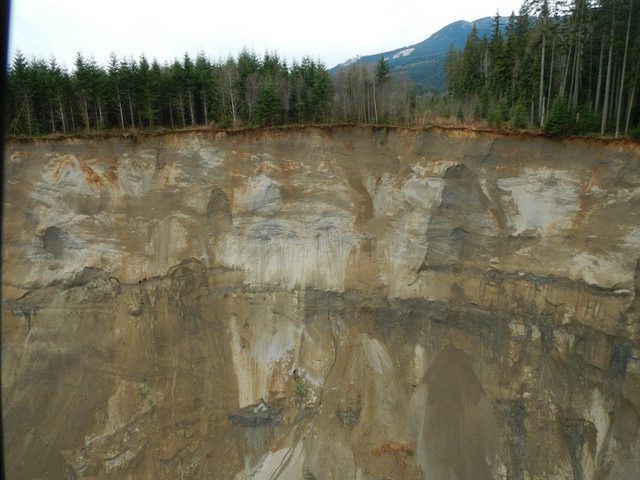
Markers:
<point>337,302</point>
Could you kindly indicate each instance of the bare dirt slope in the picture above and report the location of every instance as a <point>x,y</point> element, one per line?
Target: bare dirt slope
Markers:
<point>281,303</point>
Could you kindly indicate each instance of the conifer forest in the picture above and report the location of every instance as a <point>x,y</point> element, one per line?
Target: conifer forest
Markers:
<point>563,66</point>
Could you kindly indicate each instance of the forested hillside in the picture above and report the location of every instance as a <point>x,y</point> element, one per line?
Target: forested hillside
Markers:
<point>568,66</point>
<point>247,90</point>
<point>423,63</point>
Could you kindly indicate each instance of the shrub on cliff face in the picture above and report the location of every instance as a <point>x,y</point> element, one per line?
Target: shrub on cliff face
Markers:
<point>559,121</point>
<point>301,388</point>
<point>298,381</point>
<point>307,475</point>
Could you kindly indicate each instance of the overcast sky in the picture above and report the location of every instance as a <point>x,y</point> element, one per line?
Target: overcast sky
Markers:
<point>332,30</point>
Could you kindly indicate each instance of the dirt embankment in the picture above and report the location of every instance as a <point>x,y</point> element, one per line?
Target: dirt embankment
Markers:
<point>274,303</point>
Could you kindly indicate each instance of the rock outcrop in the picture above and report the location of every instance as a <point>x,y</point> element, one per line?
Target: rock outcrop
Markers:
<point>324,303</point>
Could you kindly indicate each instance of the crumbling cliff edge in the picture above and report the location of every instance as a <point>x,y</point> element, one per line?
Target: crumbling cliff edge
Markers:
<point>276,303</point>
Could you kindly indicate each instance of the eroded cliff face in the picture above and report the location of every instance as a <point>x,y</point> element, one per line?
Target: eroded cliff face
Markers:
<point>280,303</point>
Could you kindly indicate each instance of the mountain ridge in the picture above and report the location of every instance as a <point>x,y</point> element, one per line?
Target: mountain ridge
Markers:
<point>424,62</point>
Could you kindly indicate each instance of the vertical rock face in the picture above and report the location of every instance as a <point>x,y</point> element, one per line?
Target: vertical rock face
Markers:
<point>322,303</point>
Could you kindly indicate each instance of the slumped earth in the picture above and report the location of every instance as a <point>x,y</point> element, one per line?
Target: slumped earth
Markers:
<point>328,303</point>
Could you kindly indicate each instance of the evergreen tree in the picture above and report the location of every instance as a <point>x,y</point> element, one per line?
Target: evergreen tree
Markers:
<point>499,67</point>
<point>471,64</point>
<point>206,88</point>
<point>500,114</point>
<point>268,109</point>
<point>453,69</point>
<point>519,116</point>
<point>559,120</point>
<point>115,94</point>
<point>382,71</point>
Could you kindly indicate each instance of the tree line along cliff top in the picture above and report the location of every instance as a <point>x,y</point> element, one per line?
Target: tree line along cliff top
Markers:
<point>563,68</point>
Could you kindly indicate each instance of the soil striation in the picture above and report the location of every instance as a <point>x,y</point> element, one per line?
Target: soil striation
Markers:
<point>345,303</point>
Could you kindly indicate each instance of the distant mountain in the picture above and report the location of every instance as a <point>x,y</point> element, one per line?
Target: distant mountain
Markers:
<point>424,62</point>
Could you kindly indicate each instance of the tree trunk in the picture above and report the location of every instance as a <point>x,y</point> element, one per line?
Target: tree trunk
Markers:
<point>624,67</point>
<point>514,77</point>
<point>182,109</point>
<point>563,87</point>
<point>531,112</point>
<point>150,110</point>
<point>630,106</point>
<point>120,107</point>
<point>86,113</point>
<point>577,63</point>
<point>541,91</point>
<point>204,107</point>
<point>100,112</point>
<point>53,119</point>
<point>43,114</point>
<point>133,120</point>
<point>73,118</point>
<point>193,122</point>
<point>64,126</point>
<point>368,119</point>
<point>598,87</point>
<point>362,100</point>
<point>605,107</point>
<point>576,77</point>
<point>233,107</point>
<point>28,111</point>
<point>375,103</point>
<point>614,84</point>
<point>553,51</point>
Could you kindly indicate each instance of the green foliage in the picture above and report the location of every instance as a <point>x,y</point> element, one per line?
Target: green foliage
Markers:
<point>444,111</point>
<point>500,113</point>
<point>301,388</point>
<point>135,93</point>
<point>507,78</point>
<point>382,70</point>
<point>586,122</point>
<point>519,116</point>
<point>268,110</point>
<point>471,64</point>
<point>535,57</point>
<point>307,475</point>
<point>481,110</point>
<point>559,121</point>
<point>453,69</point>
<point>311,91</point>
<point>477,113</point>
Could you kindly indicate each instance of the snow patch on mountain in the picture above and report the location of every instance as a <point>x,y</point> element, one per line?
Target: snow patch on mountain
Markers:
<point>351,61</point>
<point>404,53</point>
